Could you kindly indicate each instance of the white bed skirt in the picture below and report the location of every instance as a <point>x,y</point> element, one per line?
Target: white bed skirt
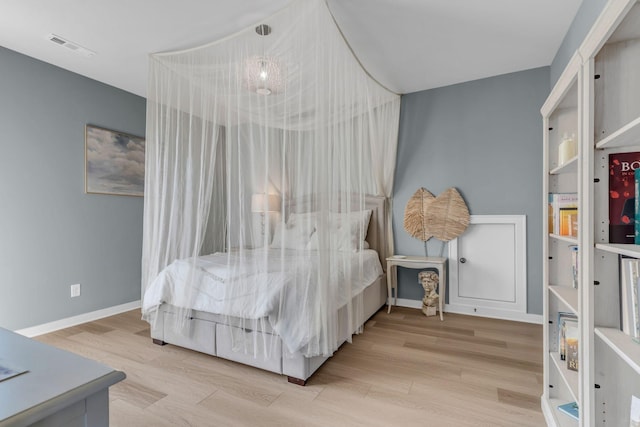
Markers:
<point>210,333</point>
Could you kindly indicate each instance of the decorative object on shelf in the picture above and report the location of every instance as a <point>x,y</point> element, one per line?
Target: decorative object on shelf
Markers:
<point>571,409</point>
<point>429,281</point>
<point>114,162</point>
<point>622,196</point>
<point>567,149</point>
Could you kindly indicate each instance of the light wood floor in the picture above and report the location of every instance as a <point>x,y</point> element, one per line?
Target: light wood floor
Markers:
<point>404,370</point>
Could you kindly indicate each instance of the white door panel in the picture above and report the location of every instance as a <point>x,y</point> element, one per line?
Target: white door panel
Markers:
<point>487,266</point>
<point>488,271</point>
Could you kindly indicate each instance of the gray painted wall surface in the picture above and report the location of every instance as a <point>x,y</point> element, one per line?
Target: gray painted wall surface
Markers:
<point>485,138</point>
<point>53,235</point>
<point>582,23</point>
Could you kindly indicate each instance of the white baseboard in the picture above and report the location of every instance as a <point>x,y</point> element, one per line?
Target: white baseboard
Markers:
<point>56,325</point>
<point>484,312</point>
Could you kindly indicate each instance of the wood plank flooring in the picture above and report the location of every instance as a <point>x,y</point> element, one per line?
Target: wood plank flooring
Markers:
<point>404,370</point>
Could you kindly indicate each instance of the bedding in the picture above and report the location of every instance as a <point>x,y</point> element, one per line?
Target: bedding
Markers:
<point>275,291</point>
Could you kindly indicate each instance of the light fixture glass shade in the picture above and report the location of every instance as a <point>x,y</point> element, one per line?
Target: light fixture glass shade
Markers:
<point>263,75</point>
<point>265,203</point>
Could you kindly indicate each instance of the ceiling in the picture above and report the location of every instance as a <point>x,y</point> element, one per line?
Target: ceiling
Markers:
<point>407,45</point>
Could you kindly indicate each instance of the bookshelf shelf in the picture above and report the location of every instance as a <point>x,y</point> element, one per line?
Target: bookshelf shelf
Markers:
<point>620,249</point>
<point>622,344</point>
<point>626,136</point>
<point>569,296</point>
<point>560,419</point>
<point>570,166</point>
<point>570,377</point>
<point>568,239</point>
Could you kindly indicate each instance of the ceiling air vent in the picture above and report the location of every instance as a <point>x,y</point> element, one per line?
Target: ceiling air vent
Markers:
<point>71,45</point>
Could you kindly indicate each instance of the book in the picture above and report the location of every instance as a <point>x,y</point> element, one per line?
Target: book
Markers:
<point>572,332</point>
<point>558,201</point>
<point>570,409</point>
<point>574,265</point>
<point>568,216</point>
<point>563,318</point>
<point>629,310</point>
<point>622,168</point>
<point>636,197</point>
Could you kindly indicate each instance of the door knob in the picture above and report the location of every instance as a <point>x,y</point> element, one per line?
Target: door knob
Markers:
<point>463,260</point>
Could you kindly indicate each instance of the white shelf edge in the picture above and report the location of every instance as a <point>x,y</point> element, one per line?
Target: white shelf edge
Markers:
<point>554,417</point>
<point>569,296</point>
<point>563,86</point>
<point>623,345</point>
<point>627,249</point>
<point>570,377</point>
<point>569,239</point>
<point>627,135</point>
<point>569,167</point>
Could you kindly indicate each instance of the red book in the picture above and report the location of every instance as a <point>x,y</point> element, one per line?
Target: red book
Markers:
<point>622,196</point>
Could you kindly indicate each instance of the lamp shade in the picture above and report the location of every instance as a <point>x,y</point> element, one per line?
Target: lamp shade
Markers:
<point>265,203</point>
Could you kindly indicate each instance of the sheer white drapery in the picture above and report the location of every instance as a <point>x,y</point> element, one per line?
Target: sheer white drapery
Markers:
<point>291,114</point>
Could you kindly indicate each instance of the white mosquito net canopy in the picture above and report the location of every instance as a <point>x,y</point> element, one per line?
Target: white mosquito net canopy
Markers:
<point>261,148</point>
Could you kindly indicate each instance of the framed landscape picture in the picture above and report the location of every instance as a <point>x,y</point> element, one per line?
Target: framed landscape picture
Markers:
<point>114,162</point>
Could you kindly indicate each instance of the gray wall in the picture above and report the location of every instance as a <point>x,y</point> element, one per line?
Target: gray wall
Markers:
<point>582,23</point>
<point>485,138</point>
<point>52,234</point>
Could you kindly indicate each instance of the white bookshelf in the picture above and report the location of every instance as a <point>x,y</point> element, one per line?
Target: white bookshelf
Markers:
<point>623,345</point>
<point>559,418</point>
<point>626,249</point>
<point>568,296</point>
<point>607,105</point>
<point>561,116</point>
<point>571,166</point>
<point>569,239</point>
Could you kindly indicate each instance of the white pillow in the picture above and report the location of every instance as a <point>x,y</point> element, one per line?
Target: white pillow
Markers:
<point>345,231</point>
<point>304,218</point>
<point>292,236</point>
<point>343,241</point>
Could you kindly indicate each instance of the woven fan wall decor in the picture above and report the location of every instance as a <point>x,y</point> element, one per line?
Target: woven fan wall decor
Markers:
<point>444,217</point>
<point>447,216</point>
<point>415,214</point>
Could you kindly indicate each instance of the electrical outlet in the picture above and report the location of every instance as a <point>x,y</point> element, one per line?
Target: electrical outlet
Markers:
<point>75,290</point>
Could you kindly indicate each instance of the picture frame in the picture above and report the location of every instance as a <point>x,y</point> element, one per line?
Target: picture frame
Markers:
<point>114,162</point>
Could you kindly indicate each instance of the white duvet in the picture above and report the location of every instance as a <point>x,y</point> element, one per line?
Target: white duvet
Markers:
<point>242,285</point>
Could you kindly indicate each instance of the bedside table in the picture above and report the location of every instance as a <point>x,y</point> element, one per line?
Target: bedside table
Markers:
<point>416,262</point>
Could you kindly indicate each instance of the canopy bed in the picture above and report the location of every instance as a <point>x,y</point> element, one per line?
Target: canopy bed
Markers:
<point>269,166</point>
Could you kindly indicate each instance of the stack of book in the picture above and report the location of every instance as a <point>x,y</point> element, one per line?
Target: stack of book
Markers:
<point>563,214</point>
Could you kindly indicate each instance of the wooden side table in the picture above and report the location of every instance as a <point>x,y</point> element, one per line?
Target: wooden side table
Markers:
<point>416,262</point>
